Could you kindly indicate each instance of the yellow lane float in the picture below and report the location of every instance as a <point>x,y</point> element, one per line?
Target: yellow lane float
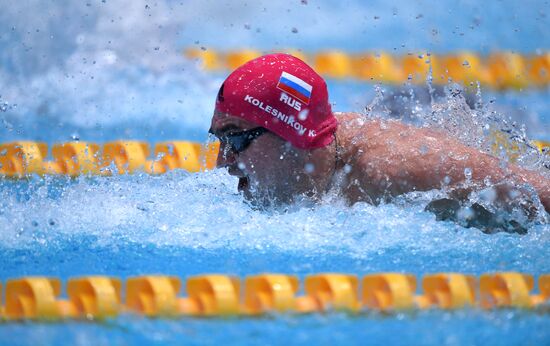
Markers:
<point>24,158</point>
<point>498,70</point>
<point>158,296</point>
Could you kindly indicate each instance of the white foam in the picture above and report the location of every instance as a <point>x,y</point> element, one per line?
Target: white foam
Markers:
<point>204,211</point>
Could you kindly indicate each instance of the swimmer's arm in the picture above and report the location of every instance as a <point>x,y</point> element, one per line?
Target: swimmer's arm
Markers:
<point>539,183</point>
<point>397,158</point>
<point>459,161</point>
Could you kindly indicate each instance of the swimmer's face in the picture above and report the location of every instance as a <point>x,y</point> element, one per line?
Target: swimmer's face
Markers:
<point>269,169</point>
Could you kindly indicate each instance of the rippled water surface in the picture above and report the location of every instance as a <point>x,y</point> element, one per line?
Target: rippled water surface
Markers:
<point>113,70</point>
<point>184,224</point>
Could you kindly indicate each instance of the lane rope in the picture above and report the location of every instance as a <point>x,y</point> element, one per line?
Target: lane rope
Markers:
<point>23,158</point>
<point>498,70</point>
<point>99,297</point>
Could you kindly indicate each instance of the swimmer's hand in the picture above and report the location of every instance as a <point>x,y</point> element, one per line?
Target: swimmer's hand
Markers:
<point>501,207</point>
<point>504,196</point>
<point>446,209</point>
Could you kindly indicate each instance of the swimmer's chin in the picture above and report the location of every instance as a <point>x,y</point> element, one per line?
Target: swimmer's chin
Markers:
<point>266,200</point>
<point>244,188</point>
<point>255,197</point>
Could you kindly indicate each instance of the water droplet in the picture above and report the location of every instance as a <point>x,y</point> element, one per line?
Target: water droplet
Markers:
<point>488,195</point>
<point>309,168</point>
<point>465,214</point>
<point>514,193</point>
<point>468,174</point>
<point>303,114</point>
<point>424,149</point>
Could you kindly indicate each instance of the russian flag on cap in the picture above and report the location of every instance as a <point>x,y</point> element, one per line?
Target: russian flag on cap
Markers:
<point>294,86</point>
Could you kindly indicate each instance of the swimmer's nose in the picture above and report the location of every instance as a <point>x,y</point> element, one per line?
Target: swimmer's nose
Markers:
<point>226,157</point>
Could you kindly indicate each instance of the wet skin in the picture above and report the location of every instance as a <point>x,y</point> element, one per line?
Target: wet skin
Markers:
<point>270,170</point>
<point>371,160</point>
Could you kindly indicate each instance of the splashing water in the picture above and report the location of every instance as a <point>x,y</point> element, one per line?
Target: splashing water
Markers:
<point>204,211</point>
<point>100,71</point>
<point>486,129</point>
<point>100,82</point>
<point>95,80</point>
<point>464,116</point>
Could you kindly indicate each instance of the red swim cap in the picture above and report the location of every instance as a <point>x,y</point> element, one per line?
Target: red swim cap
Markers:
<point>283,94</point>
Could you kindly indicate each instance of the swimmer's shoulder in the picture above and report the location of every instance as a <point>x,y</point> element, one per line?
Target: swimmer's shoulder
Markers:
<point>354,124</point>
<point>354,135</point>
<point>345,118</point>
<point>368,138</point>
<point>351,120</point>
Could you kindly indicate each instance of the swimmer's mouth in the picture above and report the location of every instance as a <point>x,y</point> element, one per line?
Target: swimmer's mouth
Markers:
<point>243,184</point>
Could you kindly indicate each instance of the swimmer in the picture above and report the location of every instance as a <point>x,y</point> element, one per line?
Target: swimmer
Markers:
<point>279,136</point>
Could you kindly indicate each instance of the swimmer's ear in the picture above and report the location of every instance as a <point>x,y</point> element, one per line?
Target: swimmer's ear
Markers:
<point>220,94</point>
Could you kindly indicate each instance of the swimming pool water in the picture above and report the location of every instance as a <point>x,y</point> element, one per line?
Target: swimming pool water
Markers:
<point>426,328</point>
<point>96,80</point>
<point>185,224</point>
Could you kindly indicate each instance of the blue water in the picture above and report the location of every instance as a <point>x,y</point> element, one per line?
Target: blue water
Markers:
<point>78,71</point>
<point>110,70</point>
<point>425,328</point>
<point>185,224</point>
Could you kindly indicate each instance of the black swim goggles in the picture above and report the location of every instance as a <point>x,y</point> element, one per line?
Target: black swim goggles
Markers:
<point>239,141</point>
